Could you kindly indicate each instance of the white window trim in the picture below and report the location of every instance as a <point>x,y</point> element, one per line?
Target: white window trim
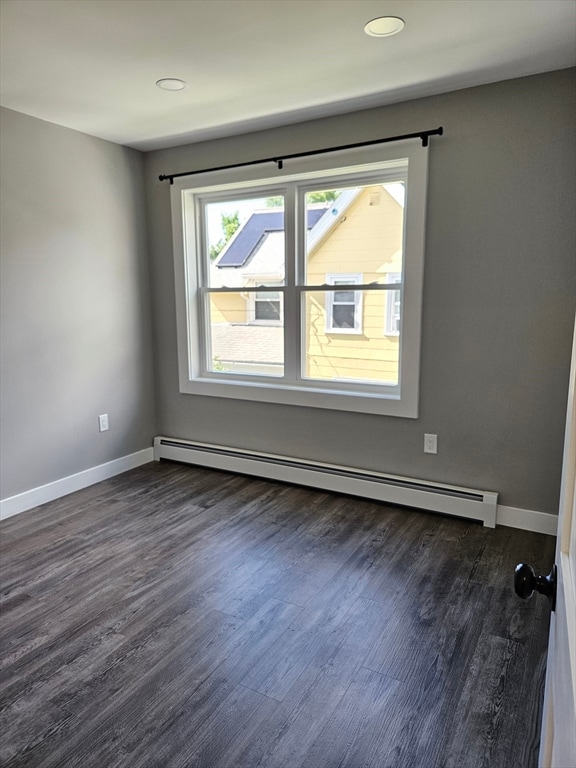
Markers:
<point>392,279</point>
<point>401,402</point>
<point>336,279</point>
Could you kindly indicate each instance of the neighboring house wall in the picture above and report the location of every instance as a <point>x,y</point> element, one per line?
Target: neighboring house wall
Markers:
<point>366,240</point>
<point>76,326</point>
<point>498,305</point>
<point>228,308</point>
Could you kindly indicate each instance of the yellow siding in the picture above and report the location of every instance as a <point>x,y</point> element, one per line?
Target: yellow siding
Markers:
<point>228,308</point>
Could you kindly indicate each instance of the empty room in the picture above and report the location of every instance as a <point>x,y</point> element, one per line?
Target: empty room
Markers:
<point>288,438</point>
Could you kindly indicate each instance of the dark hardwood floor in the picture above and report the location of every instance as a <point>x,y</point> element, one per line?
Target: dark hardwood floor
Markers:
<point>176,616</point>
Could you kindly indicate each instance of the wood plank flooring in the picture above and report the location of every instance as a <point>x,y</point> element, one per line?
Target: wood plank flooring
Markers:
<point>176,617</point>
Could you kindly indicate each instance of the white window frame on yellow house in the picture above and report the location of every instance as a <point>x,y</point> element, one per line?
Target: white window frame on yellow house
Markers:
<point>332,301</point>
<point>393,299</point>
<point>406,161</point>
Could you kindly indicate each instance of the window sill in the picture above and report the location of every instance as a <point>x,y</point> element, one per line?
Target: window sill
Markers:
<point>265,323</point>
<point>344,331</point>
<point>307,396</point>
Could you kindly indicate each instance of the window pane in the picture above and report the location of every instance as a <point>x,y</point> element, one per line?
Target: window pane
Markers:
<point>267,309</point>
<point>343,316</point>
<point>235,345</point>
<point>344,297</point>
<point>357,230</point>
<point>245,241</point>
<point>368,357</point>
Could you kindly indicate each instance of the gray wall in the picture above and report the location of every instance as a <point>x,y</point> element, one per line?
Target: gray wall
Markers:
<point>498,304</point>
<point>76,330</point>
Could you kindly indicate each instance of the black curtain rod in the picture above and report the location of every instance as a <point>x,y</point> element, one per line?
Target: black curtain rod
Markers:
<point>423,135</point>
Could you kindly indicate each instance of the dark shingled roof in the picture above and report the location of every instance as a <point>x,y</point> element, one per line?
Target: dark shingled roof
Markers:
<point>250,235</point>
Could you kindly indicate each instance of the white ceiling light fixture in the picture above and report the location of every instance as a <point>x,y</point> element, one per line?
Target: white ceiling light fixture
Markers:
<point>171,84</point>
<point>384,26</point>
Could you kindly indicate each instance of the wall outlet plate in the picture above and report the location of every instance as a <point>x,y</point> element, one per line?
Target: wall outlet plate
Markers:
<point>103,422</point>
<point>430,443</point>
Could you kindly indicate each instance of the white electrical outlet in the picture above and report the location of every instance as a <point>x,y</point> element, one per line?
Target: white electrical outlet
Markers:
<point>103,422</point>
<point>430,443</point>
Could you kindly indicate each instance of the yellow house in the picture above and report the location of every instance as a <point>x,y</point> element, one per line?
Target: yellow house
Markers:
<point>350,334</point>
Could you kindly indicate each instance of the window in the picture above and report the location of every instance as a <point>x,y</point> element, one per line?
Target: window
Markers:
<point>286,279</point>
<point>344,312</point>
<point>393,306</point>
<point>267,307</point>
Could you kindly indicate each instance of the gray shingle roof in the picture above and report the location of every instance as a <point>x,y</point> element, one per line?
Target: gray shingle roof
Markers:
<point>248,343</point>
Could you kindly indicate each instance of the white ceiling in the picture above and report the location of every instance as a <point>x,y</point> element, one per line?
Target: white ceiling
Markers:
<point>92,65</point>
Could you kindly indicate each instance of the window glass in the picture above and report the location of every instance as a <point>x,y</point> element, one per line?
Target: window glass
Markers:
<point>237,347</point>
<point>359,229</point>
<point>342,355</point>
<point>244,240</point>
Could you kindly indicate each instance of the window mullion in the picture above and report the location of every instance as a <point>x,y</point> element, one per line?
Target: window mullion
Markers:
<point>301,280</point>
<point>291,299</point>
<point>204,341</point>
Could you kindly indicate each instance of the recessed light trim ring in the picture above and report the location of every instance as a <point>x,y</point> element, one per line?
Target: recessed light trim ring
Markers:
<point>384,26</point>
<point>171,84</point>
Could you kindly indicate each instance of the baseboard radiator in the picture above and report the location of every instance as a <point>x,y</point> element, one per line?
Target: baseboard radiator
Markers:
<point>421,494</point>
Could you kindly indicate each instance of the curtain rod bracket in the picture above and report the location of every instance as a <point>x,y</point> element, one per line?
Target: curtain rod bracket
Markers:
<point>426,135</point>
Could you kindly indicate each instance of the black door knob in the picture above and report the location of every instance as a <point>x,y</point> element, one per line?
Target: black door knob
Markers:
<point>526,583</point>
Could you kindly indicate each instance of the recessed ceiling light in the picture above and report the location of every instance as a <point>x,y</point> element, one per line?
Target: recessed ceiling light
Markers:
<point>384,26</point>
<point>171,84</point>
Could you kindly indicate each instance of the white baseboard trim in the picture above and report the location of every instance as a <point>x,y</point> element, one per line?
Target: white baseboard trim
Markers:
<point>527,520</point>
<point>44,493</point>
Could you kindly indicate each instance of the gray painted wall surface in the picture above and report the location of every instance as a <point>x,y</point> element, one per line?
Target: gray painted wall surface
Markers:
<point>499,296</point>
<point>76,330</point>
